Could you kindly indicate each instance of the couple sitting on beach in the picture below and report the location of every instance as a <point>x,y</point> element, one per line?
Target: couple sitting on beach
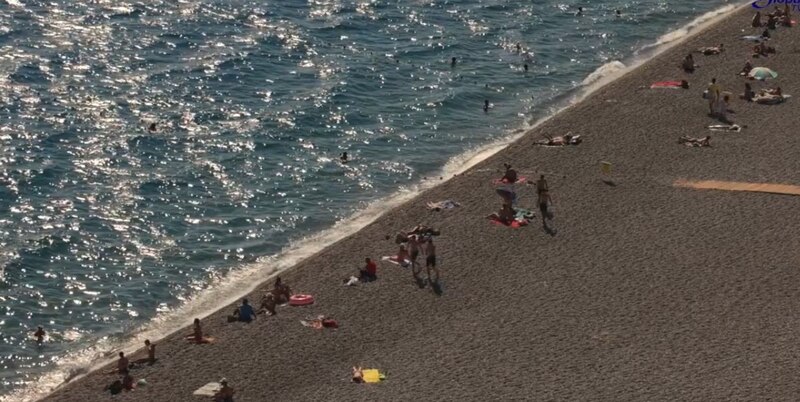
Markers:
<point>279,294</point>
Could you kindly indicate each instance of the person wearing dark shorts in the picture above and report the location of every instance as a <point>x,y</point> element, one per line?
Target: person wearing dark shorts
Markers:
<point>430,261</point>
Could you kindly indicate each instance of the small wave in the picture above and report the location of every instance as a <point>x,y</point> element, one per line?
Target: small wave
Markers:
<point>684,31</point>
<point>604,71</point>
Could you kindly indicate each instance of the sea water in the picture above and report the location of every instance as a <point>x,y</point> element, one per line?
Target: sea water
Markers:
<point>107,227</point>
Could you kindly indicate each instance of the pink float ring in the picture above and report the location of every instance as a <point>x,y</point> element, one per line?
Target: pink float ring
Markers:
<point>301,300</point>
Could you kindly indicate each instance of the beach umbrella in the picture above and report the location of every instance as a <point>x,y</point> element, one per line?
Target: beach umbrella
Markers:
<point>762,73</point>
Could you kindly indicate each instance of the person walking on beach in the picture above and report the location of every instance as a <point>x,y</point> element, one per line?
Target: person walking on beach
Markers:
<point>430,261</point>
<point>541,185</point>
<point>713,96</point>
<point>544,203</point>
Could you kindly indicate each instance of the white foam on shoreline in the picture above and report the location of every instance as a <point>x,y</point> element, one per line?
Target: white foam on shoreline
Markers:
<point>240,282</point>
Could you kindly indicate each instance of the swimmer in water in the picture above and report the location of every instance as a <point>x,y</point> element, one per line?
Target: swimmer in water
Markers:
<point>486,105</point>
<point>453,62</point>
<point>525,67</point>
<point>343,157</point>
<point>519,48</point>
<point>153,127</point>
<point>39,334</point>
<point>580,11</point>
<point>619,13</point>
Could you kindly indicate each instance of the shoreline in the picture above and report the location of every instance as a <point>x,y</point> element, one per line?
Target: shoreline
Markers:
<point>417,197</point>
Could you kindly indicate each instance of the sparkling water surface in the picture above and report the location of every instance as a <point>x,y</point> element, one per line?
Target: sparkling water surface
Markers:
<point>104,223</point>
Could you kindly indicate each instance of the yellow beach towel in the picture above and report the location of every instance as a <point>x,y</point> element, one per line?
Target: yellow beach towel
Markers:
<point>371,375</point>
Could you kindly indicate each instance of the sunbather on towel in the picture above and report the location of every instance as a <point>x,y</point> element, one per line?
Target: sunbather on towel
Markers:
<point>568,139</point>
<point>358,375</point>
<point>695,142</point>
<point>726,127</point>
<point>712,50</point>
<point>771,91</point>
<point>446,204</point>
<point>746,69</point>
<point>769,99</point>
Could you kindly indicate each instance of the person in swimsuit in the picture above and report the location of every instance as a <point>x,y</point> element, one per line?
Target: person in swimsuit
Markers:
<point>413,248</point>
<point>197,333</point>
<point>343,158</point>
<point>544,201</point>
<point>39,334</point>
<point>402,256</point>
<point>281,291</point>
<point>506,189</point>
<point>151,354</point>
<point>541,185</point>
<point>122,363</point>
<point>756,22</point>
<point>430,261</point>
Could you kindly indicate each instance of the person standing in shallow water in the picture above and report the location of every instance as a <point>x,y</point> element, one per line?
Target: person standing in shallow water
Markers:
<point>39,334</point>
<point>453,62</point>
<point>485,105</point>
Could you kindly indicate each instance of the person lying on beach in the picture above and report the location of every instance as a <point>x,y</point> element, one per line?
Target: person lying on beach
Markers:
<point>771,91</point>
<point>762,50</point>
<point>225,394</point>
<point>321,321</point>
<point>712,50</point>
<point>769,99</point>
<point>268,304</point>
<point>688,63</point>
<point>746,69</point>
<point>567,139</point>
<point>726,127</point>
<point>358,375</point>
<point>756,23</point>
<point>244,313</point>
<point>505,216</point>
<point>695,142</point>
